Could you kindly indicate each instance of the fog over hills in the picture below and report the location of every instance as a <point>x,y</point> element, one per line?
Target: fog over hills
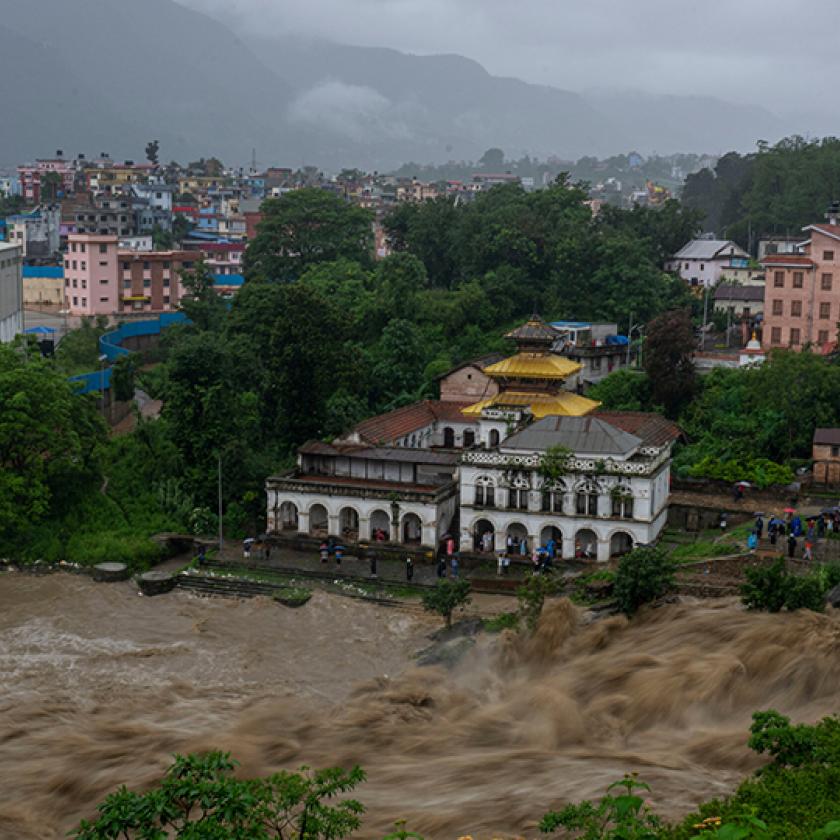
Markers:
<point>108,75</point>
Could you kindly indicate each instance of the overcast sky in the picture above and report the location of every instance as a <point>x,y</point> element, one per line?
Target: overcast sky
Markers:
<point>769,52</point>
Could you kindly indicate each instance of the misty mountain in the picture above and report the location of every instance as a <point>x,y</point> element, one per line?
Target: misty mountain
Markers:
<point>153,67</point>
<point>109,75</point>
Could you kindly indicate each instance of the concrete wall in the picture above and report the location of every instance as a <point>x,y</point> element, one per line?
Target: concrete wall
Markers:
<point>469,384</point>
<point>11,292</point>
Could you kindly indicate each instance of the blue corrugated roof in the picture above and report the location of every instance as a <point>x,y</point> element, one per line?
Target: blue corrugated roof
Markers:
<point>571,324</point>
<point>228,279</point>
<point>53,272</point>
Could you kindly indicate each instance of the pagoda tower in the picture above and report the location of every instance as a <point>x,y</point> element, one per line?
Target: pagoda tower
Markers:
<point>531,381</point>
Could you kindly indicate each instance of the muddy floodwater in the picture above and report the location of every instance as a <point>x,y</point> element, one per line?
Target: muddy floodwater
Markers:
<point>100,687</point>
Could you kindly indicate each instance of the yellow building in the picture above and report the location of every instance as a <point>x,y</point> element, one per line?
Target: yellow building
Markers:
<point>531,381</point>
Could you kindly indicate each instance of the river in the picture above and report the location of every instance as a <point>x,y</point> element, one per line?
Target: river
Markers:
<point>101,686</point>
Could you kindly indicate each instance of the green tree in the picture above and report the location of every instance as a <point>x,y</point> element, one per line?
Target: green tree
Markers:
<point>493,160</point>
<point>532,594</point>
<point>554,464</point>
<point>643,575</point>
<point>153,152</point>
<point>398,362</point>
<point>669,364</point>
<point>201,304</point>
<point>51,186</point>
<point>123,373</point>
<point>446,597</point>
<point>50,446</point>
<point>623,390</point>
<point>162,240</point>
<point>305,227</point>
<point>181,226</point>
<point>200,798</point>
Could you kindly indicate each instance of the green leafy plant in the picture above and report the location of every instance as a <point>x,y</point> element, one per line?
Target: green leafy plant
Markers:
<point>643,575</point>
<point>200,798</point>
<point>446,597</point>
<point>620,816</point>
<point>773,588</point>
<point>532,594</point>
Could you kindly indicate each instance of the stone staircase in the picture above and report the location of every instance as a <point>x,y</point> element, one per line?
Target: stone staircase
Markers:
<point>227,587</point>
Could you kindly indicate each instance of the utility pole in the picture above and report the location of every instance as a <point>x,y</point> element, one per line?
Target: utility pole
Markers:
<point>221,530</point>
<point>705,319</point>
<point>629,339</point>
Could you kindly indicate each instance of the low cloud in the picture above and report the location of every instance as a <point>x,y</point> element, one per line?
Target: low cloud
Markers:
<point>352,111</point>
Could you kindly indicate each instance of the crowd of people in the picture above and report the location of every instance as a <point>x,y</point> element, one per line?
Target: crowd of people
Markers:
<point>787,531</point>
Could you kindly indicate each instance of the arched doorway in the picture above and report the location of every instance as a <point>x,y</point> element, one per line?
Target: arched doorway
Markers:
<point>551,538</point>
<point>620,543</point>
<point>494,437</point>
<point>516,539</point>
<point>484,535</point>
<point>288,516</point>
<point>380,526</point>
<point>469,438</point>
<point>586,544</point>
<point>348,524</point>
<point>412,529</point>
<point>449,438</point>
<point>318,521</point>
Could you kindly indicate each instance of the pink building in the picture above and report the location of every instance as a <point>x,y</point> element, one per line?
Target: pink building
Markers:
<point>90,274</point>
<point>30,177</point>
<point>802,293</point>
<point>102,279</point>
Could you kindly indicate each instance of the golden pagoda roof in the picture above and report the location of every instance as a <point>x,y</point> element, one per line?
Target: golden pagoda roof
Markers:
<point>534,366</point>
<point>564,404</point>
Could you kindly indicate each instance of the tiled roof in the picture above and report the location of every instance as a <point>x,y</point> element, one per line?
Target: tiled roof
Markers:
<point>726,292</point>
<point>534,330</point>
<point>708,249</point>
<point>400,454</point>
<point>653,429</point>
<point>583,435</point>
<point>481,362</point>
<point>400,422</point>
<point>829,437</point>
<point>788,259</point>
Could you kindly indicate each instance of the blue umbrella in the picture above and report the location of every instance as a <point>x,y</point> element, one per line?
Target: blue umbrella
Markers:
<point>39,331</point>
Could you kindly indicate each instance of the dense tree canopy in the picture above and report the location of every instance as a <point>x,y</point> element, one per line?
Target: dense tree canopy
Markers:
<point>305,227</point>
<point>49,443</point>
<point>776,190</point>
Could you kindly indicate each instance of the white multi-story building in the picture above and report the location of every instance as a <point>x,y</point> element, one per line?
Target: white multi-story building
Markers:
<point>471,470</point>
<point>613,495</point>
<point>702,261</point>
<point>11,291</point>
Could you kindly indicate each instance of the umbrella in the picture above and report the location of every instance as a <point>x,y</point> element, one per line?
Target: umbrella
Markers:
<point>39,331</point>
<point>790,510</point>
<point>743,484</point>
<point>759,513</point>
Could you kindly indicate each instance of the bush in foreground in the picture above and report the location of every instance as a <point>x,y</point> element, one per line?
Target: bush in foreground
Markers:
<point>199,799</point>
<point>643,575</point>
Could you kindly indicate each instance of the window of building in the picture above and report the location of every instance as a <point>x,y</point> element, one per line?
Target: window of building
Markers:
<point>75,265</point>
<point>822,337</point>
<point>166,300</point>
<point>835,451</point>
<point>778,307</point>
<point>67,263</point>
<point>82,247</point>
<point>828,256</point>
<point>776,335</point>
<point>622,507</point>
<point>798,278</point>
<point>146,266</point>
<point>166,264</point>
<point>794,335</point>
<point>552,501</point>
<point>596,363</point>
<point>166,282</point>
<point>825,282</point>
<point>779,279</point>
<point>126,266</point>
<point>84,265</point>
<point>84,283</point>
<point>103,300</point>
<point>73,247</point>
<point>484,493</point>
<point>75,301</point>
<point>587,503</point>
<point>825,311</point>
<point>126,284</point>
<point>518,498</point>
<point>702,267</point>
<point>796,308</point>
<point>75,283</point>
<point>147,282</point>
<point>84,301</point>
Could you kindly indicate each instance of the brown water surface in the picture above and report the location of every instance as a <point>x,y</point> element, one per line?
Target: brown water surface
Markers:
<point>101,686</point>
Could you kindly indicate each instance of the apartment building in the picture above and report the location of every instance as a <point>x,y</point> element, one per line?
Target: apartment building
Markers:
<point>802,292</point>
<point>11,291</point>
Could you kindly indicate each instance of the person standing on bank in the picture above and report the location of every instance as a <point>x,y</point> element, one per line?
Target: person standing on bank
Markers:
<point>409,569</point>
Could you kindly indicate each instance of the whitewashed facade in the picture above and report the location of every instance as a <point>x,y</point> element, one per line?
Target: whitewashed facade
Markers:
<point>613,497</point>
